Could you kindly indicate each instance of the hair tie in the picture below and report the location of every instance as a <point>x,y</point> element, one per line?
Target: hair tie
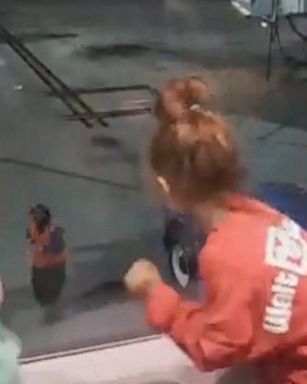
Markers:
<point>195,107</point>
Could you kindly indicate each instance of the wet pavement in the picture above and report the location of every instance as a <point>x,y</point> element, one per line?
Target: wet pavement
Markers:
<point>95,180</point>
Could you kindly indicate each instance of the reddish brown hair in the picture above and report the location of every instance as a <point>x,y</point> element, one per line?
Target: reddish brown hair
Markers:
<point>193,149</point>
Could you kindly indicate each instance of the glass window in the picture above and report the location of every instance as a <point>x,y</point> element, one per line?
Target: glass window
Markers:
<point>77,207</point>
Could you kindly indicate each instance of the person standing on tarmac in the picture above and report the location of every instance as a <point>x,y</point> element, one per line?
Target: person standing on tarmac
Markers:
<point>254,262</point>
<point>48,254</point>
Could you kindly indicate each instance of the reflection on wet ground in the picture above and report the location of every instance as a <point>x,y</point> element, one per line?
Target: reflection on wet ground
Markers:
<point>97,52</point>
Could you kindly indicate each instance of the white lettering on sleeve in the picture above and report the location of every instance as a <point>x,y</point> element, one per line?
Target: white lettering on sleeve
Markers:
<point>286,251</point>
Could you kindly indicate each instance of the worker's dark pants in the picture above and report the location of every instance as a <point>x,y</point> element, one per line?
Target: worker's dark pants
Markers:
<point>48,283</point>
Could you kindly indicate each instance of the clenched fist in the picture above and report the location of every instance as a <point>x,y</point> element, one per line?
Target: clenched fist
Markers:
<point>142,277</point>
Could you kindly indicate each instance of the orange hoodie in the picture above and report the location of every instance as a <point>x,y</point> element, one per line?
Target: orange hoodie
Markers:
<point>255,278</point>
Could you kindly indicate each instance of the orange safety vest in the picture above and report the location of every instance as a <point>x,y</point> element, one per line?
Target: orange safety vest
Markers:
<point>40,258</point>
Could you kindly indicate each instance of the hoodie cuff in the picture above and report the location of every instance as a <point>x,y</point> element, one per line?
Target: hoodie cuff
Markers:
<point>161,306</point>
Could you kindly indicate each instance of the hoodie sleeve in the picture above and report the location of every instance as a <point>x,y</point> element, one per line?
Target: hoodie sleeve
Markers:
<point>214,336</point>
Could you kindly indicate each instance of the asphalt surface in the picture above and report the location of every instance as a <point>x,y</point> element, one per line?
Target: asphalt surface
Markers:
<point>95,181</point>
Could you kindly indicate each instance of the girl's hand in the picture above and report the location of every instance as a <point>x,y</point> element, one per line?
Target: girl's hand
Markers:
<point>142,277</point>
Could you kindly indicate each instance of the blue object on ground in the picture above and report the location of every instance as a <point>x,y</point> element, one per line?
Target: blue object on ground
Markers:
<point>287,198</point>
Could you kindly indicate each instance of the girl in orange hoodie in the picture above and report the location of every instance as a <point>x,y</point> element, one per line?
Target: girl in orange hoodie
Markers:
<point>254,262</point>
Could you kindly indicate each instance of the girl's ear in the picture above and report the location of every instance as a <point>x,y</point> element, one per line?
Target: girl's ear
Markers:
<point>163,184</point>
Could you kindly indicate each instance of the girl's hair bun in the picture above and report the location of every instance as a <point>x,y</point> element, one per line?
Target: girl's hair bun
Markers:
<point>178,96</point>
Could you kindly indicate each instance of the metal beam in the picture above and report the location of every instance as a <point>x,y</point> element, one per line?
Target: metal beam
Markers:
<point>111,113</point>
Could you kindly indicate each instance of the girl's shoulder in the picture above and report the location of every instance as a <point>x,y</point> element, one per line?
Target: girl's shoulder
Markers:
<point>238,244</point>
